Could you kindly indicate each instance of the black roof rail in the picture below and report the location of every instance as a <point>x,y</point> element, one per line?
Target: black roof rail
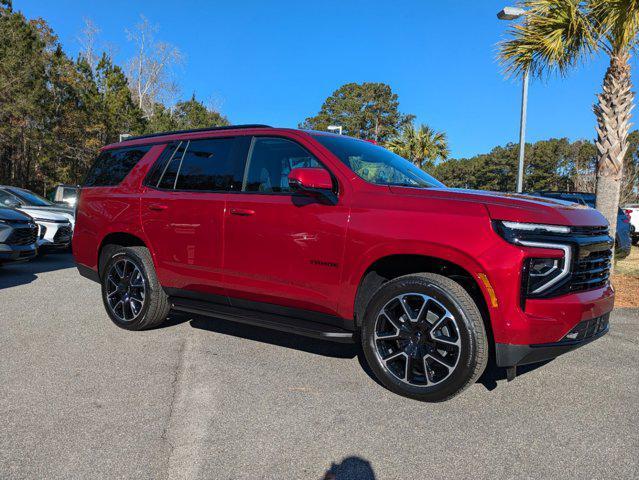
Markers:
<point>195,130</point>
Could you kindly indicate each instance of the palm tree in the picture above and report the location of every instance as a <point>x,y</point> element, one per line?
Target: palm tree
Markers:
<point>422,146</point>
<point>558,35</point>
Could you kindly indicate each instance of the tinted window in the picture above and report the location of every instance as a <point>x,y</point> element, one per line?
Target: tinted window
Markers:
<point>210,165</point>
<point>376,164</point>
<point>156,172</point>
<point>271,161</point>
<point>171,170</point>
<point>112,166</point>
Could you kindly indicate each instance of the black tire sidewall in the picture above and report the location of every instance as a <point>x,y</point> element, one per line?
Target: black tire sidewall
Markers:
<point>466,364</point>
<point>130,255</point>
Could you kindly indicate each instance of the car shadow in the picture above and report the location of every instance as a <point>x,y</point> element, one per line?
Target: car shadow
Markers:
<point>273,337</point>
<point>493,373</point>
<point>15,274</point>
<point>324,348</point>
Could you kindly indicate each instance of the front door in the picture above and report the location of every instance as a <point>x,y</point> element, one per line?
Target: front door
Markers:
<point>282,248</point>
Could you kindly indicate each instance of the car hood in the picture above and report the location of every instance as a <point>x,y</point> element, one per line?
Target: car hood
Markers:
<point>516,207</point>
<point>13,215</point>
<point>44,214</point>
<point>52,208</point>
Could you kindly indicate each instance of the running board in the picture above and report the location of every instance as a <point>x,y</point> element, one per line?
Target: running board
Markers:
<point>272,321</point>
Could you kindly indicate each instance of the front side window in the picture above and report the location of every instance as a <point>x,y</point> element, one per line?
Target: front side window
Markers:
<point>270,162</point>
<point>112,166</point>
<point>376,164</point>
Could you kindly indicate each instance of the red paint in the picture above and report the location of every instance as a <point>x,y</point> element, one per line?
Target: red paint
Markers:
<point>299,252</point>
<point>311,178</point>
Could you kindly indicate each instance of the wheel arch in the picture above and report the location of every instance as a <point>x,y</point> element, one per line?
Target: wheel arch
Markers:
<point>116,239</point>
<point>390,266</point>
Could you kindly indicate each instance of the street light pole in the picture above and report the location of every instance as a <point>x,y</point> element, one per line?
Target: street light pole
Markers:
<point>512,13</point>
<point>522,133</point>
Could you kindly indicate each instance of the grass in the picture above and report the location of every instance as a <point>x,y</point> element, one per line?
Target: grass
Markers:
<point>626,280</point>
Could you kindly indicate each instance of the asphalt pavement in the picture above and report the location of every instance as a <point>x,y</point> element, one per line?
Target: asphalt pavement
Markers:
<point>205,398</point>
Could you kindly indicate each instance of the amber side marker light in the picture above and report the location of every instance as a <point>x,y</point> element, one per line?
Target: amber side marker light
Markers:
<point>489,289</point>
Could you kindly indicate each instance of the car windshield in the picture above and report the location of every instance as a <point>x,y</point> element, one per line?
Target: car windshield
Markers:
<point>30,198</point>
<point>376,164</point>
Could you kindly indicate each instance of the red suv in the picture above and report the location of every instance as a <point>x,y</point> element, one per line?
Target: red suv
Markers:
<point>337,238</point>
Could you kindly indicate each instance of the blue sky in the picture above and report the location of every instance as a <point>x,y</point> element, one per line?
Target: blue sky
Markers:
<point>275,62</point>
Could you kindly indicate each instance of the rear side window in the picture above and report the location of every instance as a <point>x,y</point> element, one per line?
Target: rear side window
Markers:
<point>170,173</point>
<point>213,164</point>
<point>209,165</point>
<point>112,166</point>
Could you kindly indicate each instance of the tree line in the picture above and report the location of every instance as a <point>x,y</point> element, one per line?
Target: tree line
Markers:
<point>57,111</point>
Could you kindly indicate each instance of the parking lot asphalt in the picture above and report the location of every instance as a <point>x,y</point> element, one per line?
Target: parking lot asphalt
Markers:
<point>208,399</point>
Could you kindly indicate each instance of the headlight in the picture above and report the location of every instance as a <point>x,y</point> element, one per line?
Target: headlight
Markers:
<point>511,231</point>
<point>539,273</point>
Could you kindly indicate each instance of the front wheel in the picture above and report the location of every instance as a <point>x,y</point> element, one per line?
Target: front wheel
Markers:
<point>424,337</point>
<point>131,293</point>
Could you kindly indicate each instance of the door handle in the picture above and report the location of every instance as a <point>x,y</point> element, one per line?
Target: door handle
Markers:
<point>243,212</point>
<point>157,207</point>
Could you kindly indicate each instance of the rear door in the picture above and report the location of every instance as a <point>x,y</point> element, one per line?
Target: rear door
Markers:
<point>282,248</point>
<point>182,212</point>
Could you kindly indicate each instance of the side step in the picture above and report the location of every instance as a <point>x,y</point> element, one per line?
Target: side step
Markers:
<point>282,323</point>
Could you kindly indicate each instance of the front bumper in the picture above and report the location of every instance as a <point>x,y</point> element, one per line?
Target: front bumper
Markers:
<point>12,253</point>
<point>509,355</point>
<point>54,235</point>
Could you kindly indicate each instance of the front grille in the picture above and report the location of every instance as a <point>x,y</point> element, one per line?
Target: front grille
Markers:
<point>587,329</point>
<point>591,271</point>
<point>590,231</point>
<point>63,235</point>
<point>22,236</point>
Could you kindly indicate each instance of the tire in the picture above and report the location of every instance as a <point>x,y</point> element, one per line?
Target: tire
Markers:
<point>442,342</point>
<point>132,269</point>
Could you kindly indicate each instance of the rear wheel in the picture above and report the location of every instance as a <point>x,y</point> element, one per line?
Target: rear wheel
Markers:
<point>424,337</point>
<point>131,293</point>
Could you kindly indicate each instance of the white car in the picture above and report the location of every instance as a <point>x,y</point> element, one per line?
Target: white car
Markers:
<point>54,229</point>
<point>634,220</point>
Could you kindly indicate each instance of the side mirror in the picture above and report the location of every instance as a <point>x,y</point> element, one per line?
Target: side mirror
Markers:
<point>315,182</point>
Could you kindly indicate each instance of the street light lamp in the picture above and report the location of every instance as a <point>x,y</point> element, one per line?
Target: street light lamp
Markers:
<point>513,13</point>
<point>335,129</point>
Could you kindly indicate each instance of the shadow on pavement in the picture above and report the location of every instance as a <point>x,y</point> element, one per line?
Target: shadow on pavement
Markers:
<point>14,274</point>
<point>493,373</point>
<point>350,468</point>
<point>488,379</point>
<point>281,339</point>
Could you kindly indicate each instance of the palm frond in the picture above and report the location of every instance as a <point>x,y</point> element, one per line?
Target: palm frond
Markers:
<point>554,36</point>
<point>617,22</point>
